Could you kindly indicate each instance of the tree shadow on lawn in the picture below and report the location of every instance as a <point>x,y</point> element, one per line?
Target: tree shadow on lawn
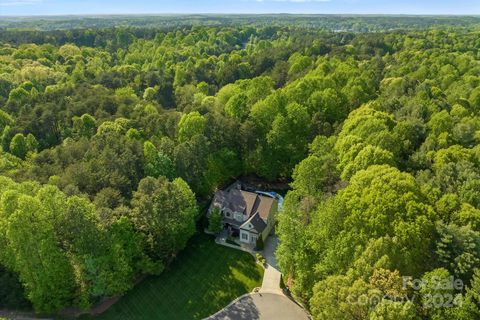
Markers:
<point>202,280</point>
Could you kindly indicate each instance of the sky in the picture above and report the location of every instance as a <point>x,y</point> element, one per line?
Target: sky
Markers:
<point>61,7</point>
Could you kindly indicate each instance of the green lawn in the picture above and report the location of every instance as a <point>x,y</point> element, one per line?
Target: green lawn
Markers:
<point>204,278</point>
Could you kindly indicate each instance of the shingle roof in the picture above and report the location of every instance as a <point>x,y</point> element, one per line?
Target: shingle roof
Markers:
<point>220,196</point>
<point>264,206</point>
<point>237,200</point>
<point>257,207</point>
<point>257,222</point>
<point>250,200</point>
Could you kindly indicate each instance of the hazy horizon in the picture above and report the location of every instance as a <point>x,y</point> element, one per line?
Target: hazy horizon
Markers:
<point>167,14</point>
<point>186,7</point>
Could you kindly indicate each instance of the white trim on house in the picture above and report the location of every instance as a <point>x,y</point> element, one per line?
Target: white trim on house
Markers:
<point>244,236</point>
<point>247,236</point>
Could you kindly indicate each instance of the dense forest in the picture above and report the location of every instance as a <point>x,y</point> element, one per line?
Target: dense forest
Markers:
<point>111,135</point>
<point>351,22</point>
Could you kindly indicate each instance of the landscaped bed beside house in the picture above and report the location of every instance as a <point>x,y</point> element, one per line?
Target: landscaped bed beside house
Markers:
<point>203,279</point>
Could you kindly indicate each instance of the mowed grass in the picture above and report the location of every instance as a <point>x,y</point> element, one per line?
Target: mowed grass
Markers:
<point>203,279</point>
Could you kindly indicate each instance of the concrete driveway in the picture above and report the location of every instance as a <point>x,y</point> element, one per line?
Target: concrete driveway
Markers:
<point>269,303</point>
<point>272,276</point>
<point>262,306</point>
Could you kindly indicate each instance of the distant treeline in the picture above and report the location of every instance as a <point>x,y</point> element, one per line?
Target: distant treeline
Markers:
<point>355,23</point>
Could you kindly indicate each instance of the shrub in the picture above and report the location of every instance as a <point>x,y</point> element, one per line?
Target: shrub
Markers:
<point>261,259</point>
<point>259,245</point>
<point>215,221</point>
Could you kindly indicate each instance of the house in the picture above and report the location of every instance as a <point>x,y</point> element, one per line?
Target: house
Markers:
<point>245,214</point>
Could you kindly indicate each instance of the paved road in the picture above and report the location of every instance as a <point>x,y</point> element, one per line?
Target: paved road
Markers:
<point>269,303</point>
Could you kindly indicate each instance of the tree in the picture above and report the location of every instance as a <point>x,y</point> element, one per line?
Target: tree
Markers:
<point>380,204</point>
<point>62,255</point>
<point>122,258</point>
<point>458,250</point>
<point>18,96</point>
<point>441,122</point>
<point>468,215</point>
<point>474,290</point>
<point>367,156</point>
<point>315,174</point>
<point>164,213</point>
<point>392,310</point>
<point>215,224</point>
<point>222,166</point>
<point>112,160</point>
<point>156,163</point>
<point>435,284</point>
<point>363,127</point>
<point>341,297</point>
<point>18,146</point>
<point>32,143</point>
<point>133,133</point>
<point>288,135</point>
<point>6,138</point>
<point>43,268</point>
<point>149,94</point>
<point>294,254</point>
<point>84,126</point>
<point>237,106</point>
<point>330,103</point>
<point>393,207</point>
<point>5,120</point>
<point>191,161</point>
<point>190,124</point>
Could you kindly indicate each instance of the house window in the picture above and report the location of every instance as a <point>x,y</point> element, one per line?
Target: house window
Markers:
<point>244,236</point>
<point>254,239</point>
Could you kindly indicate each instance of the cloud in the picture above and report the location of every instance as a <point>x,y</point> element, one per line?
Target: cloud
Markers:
<point>15,3</point>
